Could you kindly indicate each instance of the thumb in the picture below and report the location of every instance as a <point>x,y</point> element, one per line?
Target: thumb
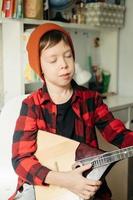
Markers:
<point>84,168</point>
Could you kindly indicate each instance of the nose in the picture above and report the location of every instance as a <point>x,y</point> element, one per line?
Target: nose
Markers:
<point>63,63</point>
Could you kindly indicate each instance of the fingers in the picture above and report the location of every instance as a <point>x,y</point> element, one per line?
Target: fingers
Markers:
<point>86,187</point>
<point>89,182</point>
<point>87,195</point>
<point>93,183</point>
<point>89,192</point>
<point>84,168</point>
<point>92,188</point>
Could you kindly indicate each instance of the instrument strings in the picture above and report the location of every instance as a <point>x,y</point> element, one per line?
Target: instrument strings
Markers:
<point>108,157</point>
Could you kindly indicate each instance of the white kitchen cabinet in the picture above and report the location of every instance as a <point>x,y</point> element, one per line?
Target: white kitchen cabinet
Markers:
<point>126,53</point>
<point>1,69</point>
<point>13,67</point>
<point>120,178</point>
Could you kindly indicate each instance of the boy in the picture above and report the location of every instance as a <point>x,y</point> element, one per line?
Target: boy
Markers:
<point>63,107</point>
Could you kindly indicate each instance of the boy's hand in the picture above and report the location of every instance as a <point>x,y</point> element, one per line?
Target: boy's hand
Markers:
<point>83,187</point>
<point>74,181</point>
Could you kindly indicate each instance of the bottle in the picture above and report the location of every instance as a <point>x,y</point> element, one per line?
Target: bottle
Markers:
<point>45,9</point>
<point>81,13</point>
<point>74,16</point>
<point>19,9</point>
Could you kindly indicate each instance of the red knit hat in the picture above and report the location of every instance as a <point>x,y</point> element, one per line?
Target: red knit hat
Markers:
<point>33,44</point>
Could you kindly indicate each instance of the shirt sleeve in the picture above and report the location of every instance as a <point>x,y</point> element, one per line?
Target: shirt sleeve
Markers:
<point>24,146</point>
<point>113,130</point>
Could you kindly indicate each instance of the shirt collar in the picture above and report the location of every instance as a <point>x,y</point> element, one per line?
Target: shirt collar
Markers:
<point>44,96</point>
<point>77,91</point>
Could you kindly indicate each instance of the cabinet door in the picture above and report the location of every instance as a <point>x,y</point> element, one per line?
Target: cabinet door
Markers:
<point>120,178</point>
<point>13,84</point>
<point>117,178</point>
<point>121,114</point>
<point>1,70</point>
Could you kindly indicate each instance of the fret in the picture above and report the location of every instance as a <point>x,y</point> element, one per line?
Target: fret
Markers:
<point>108,157</point>
<point>99,163</point>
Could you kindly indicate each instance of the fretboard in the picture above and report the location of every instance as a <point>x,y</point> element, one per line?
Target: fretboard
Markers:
<point>108,157</point>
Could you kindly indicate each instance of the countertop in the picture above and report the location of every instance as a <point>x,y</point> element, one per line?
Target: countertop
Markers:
<point>118,102</point>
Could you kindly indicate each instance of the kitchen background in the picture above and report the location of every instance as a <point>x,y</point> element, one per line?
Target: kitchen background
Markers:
<point>97,31</point>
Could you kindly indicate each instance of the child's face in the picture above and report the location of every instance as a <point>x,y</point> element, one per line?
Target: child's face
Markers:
<point>58,64</point>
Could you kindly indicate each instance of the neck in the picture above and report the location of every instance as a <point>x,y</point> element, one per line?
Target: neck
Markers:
<point>58,94</point>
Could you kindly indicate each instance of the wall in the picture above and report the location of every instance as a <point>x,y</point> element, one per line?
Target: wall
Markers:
<point>125,80</point>
<point>1,78</point>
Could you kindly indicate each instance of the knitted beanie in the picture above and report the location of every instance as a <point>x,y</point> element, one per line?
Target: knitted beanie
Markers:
<point>33,44</point>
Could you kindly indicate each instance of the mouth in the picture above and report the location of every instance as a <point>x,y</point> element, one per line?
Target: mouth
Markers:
<point>65,75</point>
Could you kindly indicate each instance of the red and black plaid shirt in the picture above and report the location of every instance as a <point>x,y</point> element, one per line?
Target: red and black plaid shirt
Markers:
<point>38,112</point>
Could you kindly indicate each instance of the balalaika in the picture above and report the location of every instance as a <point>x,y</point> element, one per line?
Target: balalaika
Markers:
<point>62,154</point>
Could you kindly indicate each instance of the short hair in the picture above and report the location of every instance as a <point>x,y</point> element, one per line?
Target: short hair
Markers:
<point>51,38</point>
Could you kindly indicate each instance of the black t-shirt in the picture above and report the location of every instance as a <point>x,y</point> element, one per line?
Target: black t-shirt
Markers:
<point>65,119</point>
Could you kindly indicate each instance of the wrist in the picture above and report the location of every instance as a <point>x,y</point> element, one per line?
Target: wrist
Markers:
<point>55,178</point>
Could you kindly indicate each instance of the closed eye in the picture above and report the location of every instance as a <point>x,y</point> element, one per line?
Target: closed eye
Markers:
<point>68,55</point>
<point>52,59</point>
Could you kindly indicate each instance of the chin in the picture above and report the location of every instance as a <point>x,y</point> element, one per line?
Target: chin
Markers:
<point>65,83</point>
